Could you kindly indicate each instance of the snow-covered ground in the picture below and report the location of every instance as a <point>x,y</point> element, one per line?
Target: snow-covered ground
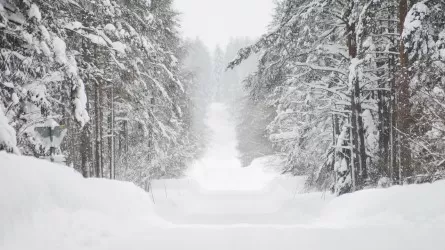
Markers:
<point>50,207</point>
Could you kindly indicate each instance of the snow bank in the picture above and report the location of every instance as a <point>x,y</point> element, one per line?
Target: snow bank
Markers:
<point>282,202</point>
<point>270,163</point>
<point>410,205</point>
<point>36,195</point>
<point>399,206</point>
<point>48,206</point>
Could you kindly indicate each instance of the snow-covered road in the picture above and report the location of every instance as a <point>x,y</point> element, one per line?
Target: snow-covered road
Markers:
<point>220,166</point>
<point>221,206</point>
<point>281,238</point>
<point>274,218</point>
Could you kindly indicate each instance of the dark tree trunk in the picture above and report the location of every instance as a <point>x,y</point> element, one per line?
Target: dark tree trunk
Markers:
<point>384,131</point>
<point>357,129</point>
<point>97,161</point>
<point>126,145</point>
<point>404,93</point>
<point>101,130</point>
<point>85,150</point>
<point>111,141</point>
<point>363,171</point>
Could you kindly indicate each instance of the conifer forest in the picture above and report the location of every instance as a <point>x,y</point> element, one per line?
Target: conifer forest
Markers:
<point>183,124</point>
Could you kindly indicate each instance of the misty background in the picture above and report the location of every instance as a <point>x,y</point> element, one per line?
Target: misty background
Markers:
<point>215,83</point>
<point>213,41</point>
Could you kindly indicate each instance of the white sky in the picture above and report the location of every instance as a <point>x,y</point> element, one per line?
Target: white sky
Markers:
<point>216,21</point>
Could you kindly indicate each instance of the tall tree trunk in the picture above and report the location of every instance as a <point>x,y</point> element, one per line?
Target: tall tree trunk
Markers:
<point>384,131</point>
<point>357,131</point>
<point>363,171</point>
<point>101,129</point>
<point>393,167</point>
<point>352,49</point>
<point>404,93</point>
<point>126,143</point>
<point>150,135</point>
<point>84,150</point>
<point>97,155</point>
<point>111,133</point>
<point>393,163</point>
<point>384,100</point>
<point>354,140</point>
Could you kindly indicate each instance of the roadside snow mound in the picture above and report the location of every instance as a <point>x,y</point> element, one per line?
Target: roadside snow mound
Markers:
<point>269,163</point>
<point>399,205</point>
<point>50,207</point>
<point>37,195</point>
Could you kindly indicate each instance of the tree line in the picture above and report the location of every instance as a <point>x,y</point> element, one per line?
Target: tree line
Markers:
<point>358,90</point>
<point>111,72</point>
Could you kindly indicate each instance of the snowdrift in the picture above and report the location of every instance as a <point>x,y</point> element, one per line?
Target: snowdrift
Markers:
<point>48,206</point>
<point>282,202</point>
<point>270,163</point>
<point>411,205</point>
<point>35,193</point>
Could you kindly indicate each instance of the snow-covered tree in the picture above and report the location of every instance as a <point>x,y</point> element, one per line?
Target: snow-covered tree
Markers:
<point>110,72</point>
<point>341,75</point>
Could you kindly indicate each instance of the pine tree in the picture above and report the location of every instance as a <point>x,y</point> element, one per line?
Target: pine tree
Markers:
<point>341,75</point>
<point>110,72</point>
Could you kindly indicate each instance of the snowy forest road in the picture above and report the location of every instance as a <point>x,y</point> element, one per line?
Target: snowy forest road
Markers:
<point>220,191</point>
<point>99,100</point>
<point>269,237</point>
<point>267,219</point>
<point>226,207</point>
<point>268,206</point>
<point>221,206</point>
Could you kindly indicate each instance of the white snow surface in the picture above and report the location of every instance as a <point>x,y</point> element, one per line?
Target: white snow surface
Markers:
<point>59,47</point>
<point>7,134</point>
<point>110,28</point>
<point>119,47</point>
<point>51,207</point>
<point>34,11</point>
<point>74,25</point>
